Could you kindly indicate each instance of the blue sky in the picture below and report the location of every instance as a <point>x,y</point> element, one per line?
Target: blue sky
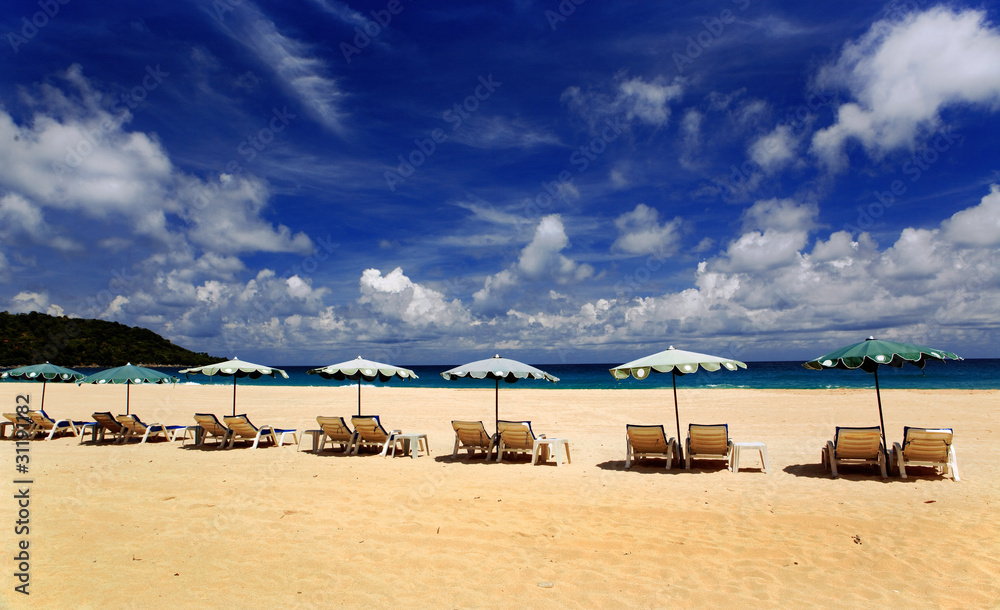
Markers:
<point>302,182</point>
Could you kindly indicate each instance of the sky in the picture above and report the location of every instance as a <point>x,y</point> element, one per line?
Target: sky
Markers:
<point>306,181</point>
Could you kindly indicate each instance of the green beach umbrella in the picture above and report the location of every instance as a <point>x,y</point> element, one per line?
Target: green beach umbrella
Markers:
<point>676,362</point>
<point>359,369</point>
<point>497,368</point>
<point>873,353</point>
<point>128,375</point>
<point>44,373</point>
<point>235,368</point>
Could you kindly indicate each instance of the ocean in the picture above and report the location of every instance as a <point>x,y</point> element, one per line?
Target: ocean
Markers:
<point>971,374</point>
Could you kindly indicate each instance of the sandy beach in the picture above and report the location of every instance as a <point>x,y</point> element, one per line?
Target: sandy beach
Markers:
<point>157,524</point>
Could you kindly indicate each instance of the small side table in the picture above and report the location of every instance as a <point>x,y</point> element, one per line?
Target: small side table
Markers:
<point>316,435</point>
<point>411,444</point>
<point>734,460</point>
<point>552,444</point>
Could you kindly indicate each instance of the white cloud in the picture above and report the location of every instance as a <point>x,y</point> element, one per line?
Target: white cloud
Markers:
<point>634,100</point>
<point>397,297</point>
<point>691,131</point>
<point>303,74</point>
<point>540,261</point>
<point>978,225</point>
<point>640,232</point>
<point>495,132</point>
<point>776,150</point>
<point>27,301</point>
<point>902,74</point>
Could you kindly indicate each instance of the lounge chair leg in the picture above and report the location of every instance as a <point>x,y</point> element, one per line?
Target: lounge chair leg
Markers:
<point>953,463</point>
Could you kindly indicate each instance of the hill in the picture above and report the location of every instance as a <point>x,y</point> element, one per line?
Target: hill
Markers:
<point>31,338</point>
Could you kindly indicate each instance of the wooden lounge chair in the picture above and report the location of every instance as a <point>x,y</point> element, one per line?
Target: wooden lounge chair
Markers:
<point>336,430</point>
<point>211,427</point>
<point>472,435</point>
<point>43,423</point>
<point>926,447</point>
<point>371,434</point>
<point>103,423</point>
<point>241,428</point>
<point>854,446</point>
<point>645,441</point>
<point>14,421</point>
<point>133,426</point>
<point>518,437</point>
<point>707,442</point>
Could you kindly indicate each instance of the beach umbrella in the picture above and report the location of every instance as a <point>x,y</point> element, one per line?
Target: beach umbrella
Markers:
<point>44,373</point>
<point>359,369</point>
<point>676,362</point>
<point>497,368</point>
<point>129,375</point>
<point>235,368</point>
<point>872,353</point>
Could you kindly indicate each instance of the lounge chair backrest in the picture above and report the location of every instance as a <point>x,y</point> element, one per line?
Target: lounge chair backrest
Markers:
<point>927,444</point>
<point>336,428</point>
<point>17,419</point>
<point>211,424</point>
<point>132,422</point>
<point>240,424</point>
<point>472,433</point>
<point>857,443</point>
<point>711,439</point>
<point>40,419</point>
<point>370,428</point>
<point>107,421</point>
<point>516,434</point>
<point>647,439</point>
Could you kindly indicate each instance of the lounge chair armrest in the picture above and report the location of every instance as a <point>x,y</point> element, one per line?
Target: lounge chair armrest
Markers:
<point>396,432</point>
<point>541,436</point>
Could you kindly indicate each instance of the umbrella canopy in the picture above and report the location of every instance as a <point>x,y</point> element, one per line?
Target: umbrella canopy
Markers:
<point>359,369</point>
<point>129,375</point>
<point>235,368</point>
<point>497,368</point>
<point>872,353</point>
<point>676,362</point>
<point>44,373</point>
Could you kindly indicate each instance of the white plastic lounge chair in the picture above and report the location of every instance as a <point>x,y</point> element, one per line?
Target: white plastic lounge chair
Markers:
<point>472,435</point>
<point>854,446</point>
<point>43,423</point>
<point>103,423</point>
<point>241,428</point>
<point>647,441</point>
<point>707,442</point>
<point>926,447</point>
<point>336,430</point>
<point>518,437</point>
<point>133,426</point>
<point>371,434</point>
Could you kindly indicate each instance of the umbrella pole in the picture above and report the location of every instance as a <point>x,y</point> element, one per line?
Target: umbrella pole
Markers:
<point>234,395</point>
<point>43,394</point>
<point>359,397</point>
<point>128,386</point>
<point>496,406</point>
<point>677,417</point>
<point>881,422</point>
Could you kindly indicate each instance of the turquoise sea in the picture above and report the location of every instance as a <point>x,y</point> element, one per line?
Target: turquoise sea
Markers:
<point>971,374</point>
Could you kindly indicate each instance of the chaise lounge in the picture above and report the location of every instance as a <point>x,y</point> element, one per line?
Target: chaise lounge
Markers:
<point>707,442</point>
<point>133,426</point>
<point>852,445</point>
<point>472,435</point>
<point>926,447</point>
<point>371,434</point>
<point>642,442</point>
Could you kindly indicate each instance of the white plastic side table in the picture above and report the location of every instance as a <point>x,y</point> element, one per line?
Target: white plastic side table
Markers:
<point>411,444</point>
<point>553,446</point>
<point>734,460</point>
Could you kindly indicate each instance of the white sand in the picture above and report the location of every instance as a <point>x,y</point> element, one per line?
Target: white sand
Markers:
<point>157,524</point>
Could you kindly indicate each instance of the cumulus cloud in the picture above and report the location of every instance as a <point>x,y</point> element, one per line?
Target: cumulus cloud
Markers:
<point>539,261</point>
<point>397,297</point>
<point>978,225</point>
<point>27,301</point>
<point>640,232</point>
<point>902,74</point>
<point>776,150</point>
